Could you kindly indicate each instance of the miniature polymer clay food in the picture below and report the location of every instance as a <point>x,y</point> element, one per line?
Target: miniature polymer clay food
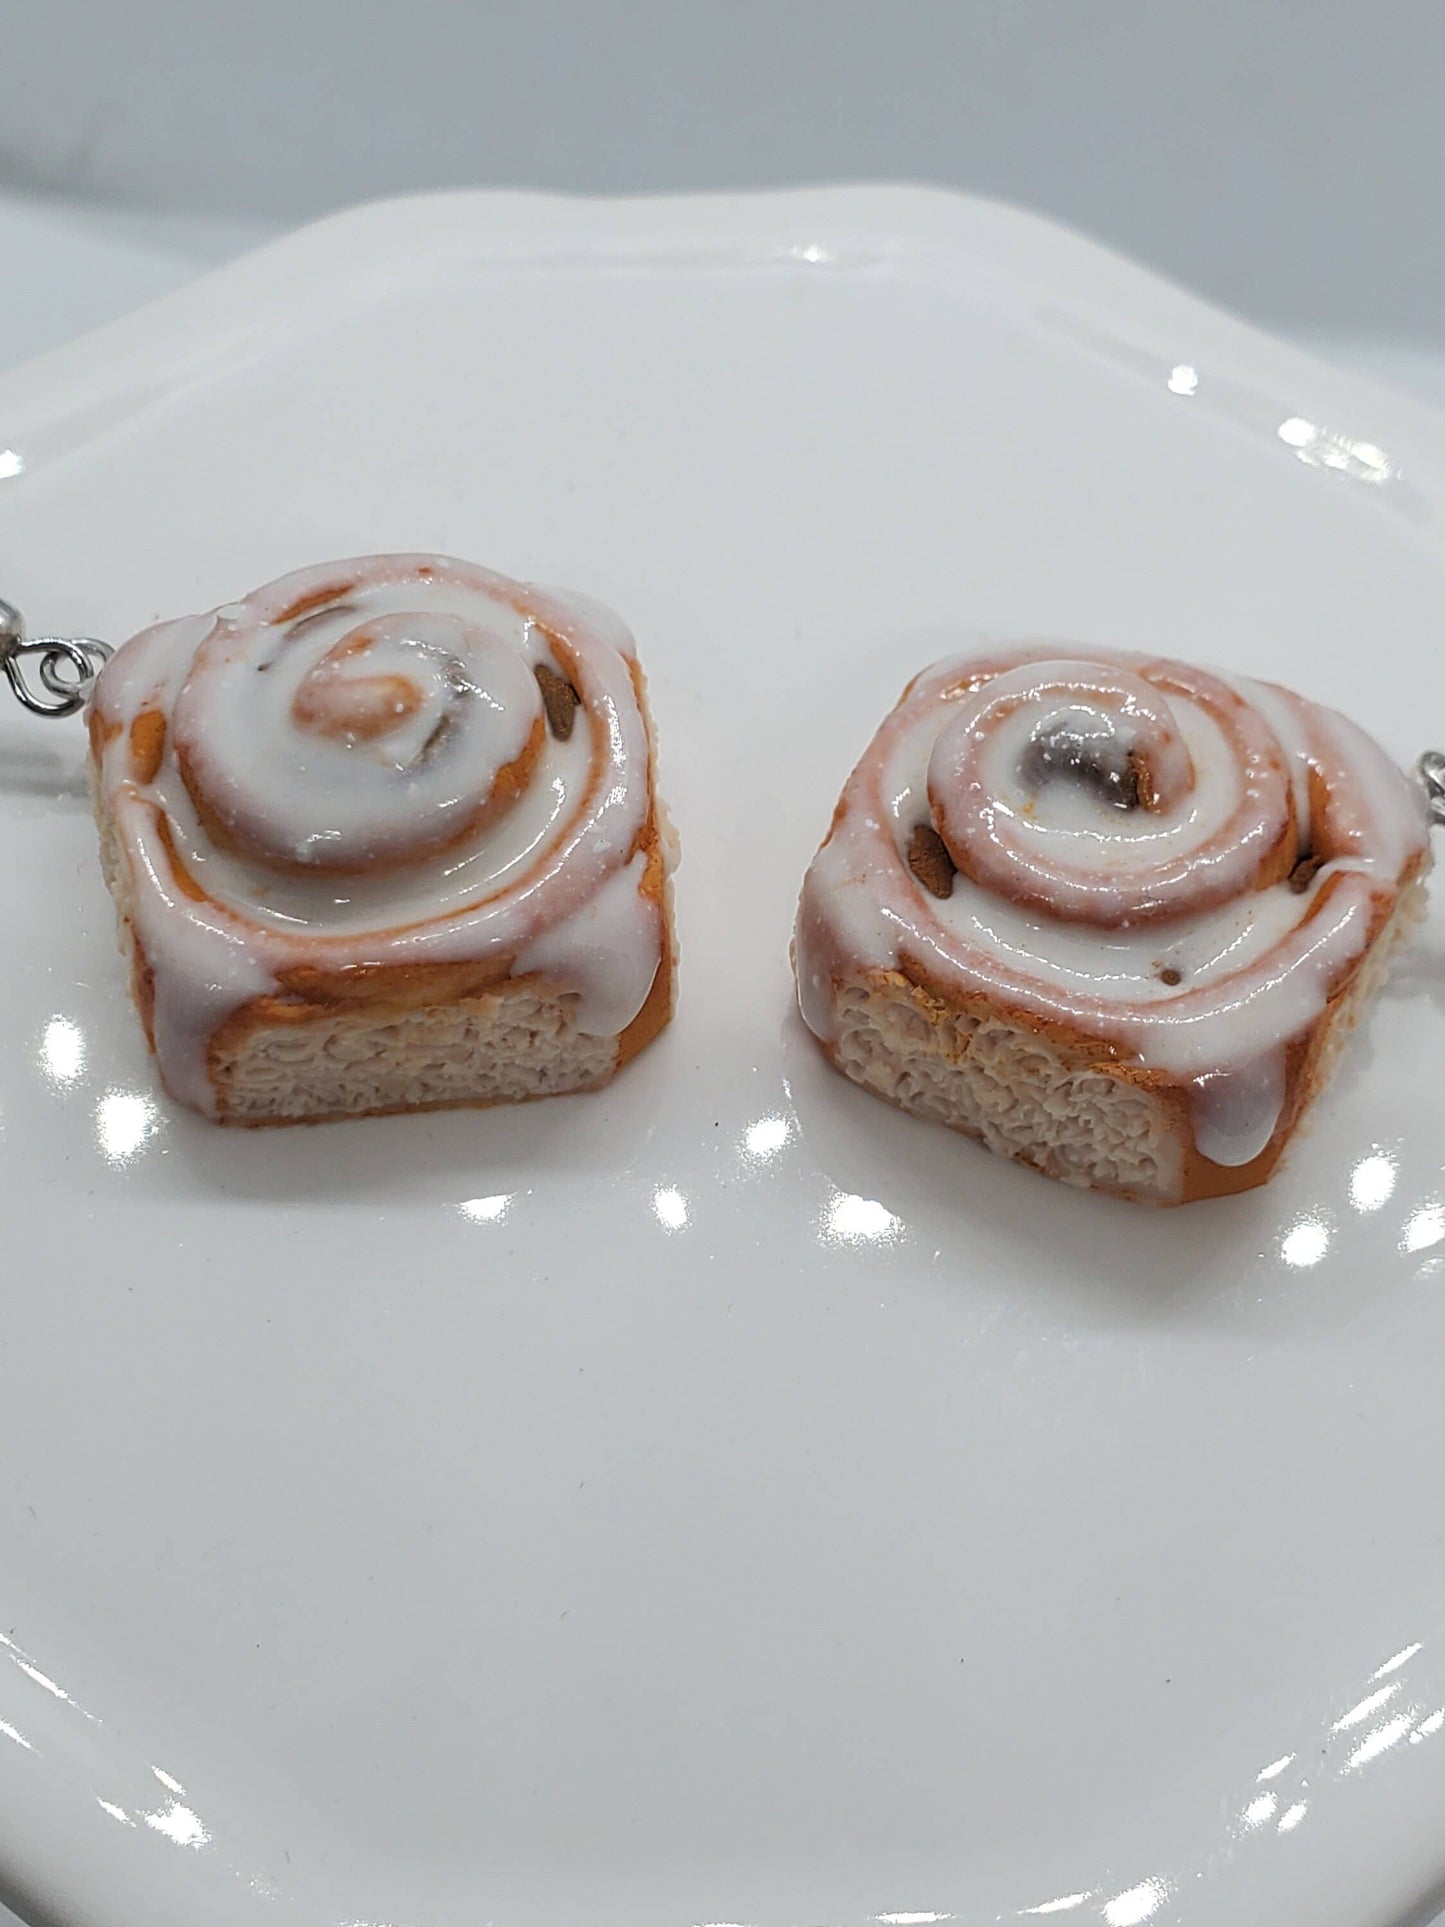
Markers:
<point>1110,914</point>
<point>384,836</point>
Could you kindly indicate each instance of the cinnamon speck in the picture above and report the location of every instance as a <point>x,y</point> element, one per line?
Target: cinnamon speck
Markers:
<point>930,862</point>
<point>559,699</point>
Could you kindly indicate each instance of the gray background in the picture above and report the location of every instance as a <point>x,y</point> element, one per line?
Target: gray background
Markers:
<point>1284,156</point>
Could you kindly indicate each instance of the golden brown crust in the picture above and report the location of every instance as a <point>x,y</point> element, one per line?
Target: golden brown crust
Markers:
<point>390,986</point>
<point>656,1012</point>
<point>1096,1052</point>
<point>319,997</point>
<point>143,988</point>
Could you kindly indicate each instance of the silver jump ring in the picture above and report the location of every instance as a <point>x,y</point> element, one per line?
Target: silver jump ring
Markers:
<point>63,650</point>
<point>65,666</point>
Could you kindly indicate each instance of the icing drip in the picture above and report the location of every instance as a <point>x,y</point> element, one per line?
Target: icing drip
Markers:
<point>1235,1111</point>
<point>1125,831</point>
<point>356,770</point>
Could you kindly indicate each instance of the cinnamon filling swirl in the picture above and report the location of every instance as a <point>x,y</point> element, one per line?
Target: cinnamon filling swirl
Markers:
<point>366,768</point>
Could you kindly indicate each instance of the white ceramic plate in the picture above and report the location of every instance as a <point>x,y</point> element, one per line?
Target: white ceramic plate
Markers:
<point>723,1499</point>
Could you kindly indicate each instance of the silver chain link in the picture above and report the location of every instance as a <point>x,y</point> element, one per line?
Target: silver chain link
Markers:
<point>1431,768</point>
<point>64,667</point>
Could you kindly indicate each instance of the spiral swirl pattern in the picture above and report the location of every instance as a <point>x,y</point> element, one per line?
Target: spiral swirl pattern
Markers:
<point>1106,795</point>
<point>375,768</point>
<point>350,737</point>
<point>1181,866</point>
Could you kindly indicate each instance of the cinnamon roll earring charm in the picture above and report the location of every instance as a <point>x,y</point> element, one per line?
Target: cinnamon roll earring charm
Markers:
<point>384,836</point>
<point>1110,914</point>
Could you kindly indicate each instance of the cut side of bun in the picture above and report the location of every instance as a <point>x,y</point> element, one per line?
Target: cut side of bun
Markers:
<point>1067,1106</point>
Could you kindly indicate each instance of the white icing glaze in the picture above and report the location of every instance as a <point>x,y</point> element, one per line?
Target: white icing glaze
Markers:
<point>1072,908</point>
<point>1235,1111</point>
<point>1219,797</point>
<point>421,671</point>
<point>362,732</point>
<point>607,951</point>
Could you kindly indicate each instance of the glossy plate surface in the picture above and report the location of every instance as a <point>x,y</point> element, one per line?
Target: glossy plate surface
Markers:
<point>723,1499</point>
